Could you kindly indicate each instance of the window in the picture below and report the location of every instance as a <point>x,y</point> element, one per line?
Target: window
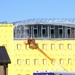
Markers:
<point>69,61</point>
<point>44,46</point>
<point>18,46</point>
<point>60,27</point>
<point>69,46</point>
<point>44,32</point>
<point>61,61</point>
<point>52,31</point>
<point>68,32</point>
<point>44,61</point>
<point>35,32</point>
<point>52,46</point>
<point>35,61</point>
<point>60,46</point>
<point>27,46</point>
<point>18,33</point>
<point>18,61</point>
<point>60,33</point>
<point>27,61</point>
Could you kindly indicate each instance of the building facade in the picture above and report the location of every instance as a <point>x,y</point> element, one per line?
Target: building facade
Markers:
<point>6,39</point>
<point>54,37</point>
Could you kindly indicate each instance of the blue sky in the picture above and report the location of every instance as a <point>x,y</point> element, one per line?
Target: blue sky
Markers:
<point>18,10</point>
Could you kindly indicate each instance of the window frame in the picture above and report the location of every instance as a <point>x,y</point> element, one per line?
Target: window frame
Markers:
<point>52,46</point>
<point>69,61</point>
<point>18,46</point>
<point>69,46</point>
<point>35,61</point>
<point>27,61</point>
<point>61,61</point>
<point>60,46</point>
<point>18,61</point>
<point>26,46</point>
<point>44,61</point>
<point>44,46</point>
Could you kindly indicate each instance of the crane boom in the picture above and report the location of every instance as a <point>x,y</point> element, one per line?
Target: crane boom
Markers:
<point>32,44</point>
<point>45,54</point>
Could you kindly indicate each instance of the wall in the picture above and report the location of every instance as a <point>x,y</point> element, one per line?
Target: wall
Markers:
<point>60,52</point>
<point>6,39</point>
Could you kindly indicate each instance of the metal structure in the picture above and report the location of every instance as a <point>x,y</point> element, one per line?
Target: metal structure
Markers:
<point>45,28</point>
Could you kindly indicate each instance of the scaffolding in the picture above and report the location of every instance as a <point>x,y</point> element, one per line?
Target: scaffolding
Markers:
<point>45,28</point>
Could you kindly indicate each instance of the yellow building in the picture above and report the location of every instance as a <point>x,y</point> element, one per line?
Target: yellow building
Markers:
<point>6,39</point>
<point>55,38</point>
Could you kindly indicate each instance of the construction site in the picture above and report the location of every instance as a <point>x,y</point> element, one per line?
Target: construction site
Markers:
<point>39,47</point>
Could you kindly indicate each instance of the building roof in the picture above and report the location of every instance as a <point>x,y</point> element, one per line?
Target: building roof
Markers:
<point>4,57</point>
<point>63,22</point>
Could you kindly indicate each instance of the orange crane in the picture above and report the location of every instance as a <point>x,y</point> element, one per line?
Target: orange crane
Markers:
<point>32,44</point>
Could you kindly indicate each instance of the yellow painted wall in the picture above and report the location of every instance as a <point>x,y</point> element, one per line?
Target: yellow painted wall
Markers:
<point>21,68</point>
<point>32,54</point>
<point>6,39</point>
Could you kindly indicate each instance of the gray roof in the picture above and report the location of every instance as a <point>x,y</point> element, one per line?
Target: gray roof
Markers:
<point>4,57</point>
<point>63,22</point>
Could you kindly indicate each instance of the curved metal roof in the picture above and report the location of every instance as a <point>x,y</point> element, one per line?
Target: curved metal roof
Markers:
<point>58,21</point>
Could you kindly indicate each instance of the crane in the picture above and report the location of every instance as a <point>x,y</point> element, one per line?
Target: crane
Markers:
<point>32,44</point>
